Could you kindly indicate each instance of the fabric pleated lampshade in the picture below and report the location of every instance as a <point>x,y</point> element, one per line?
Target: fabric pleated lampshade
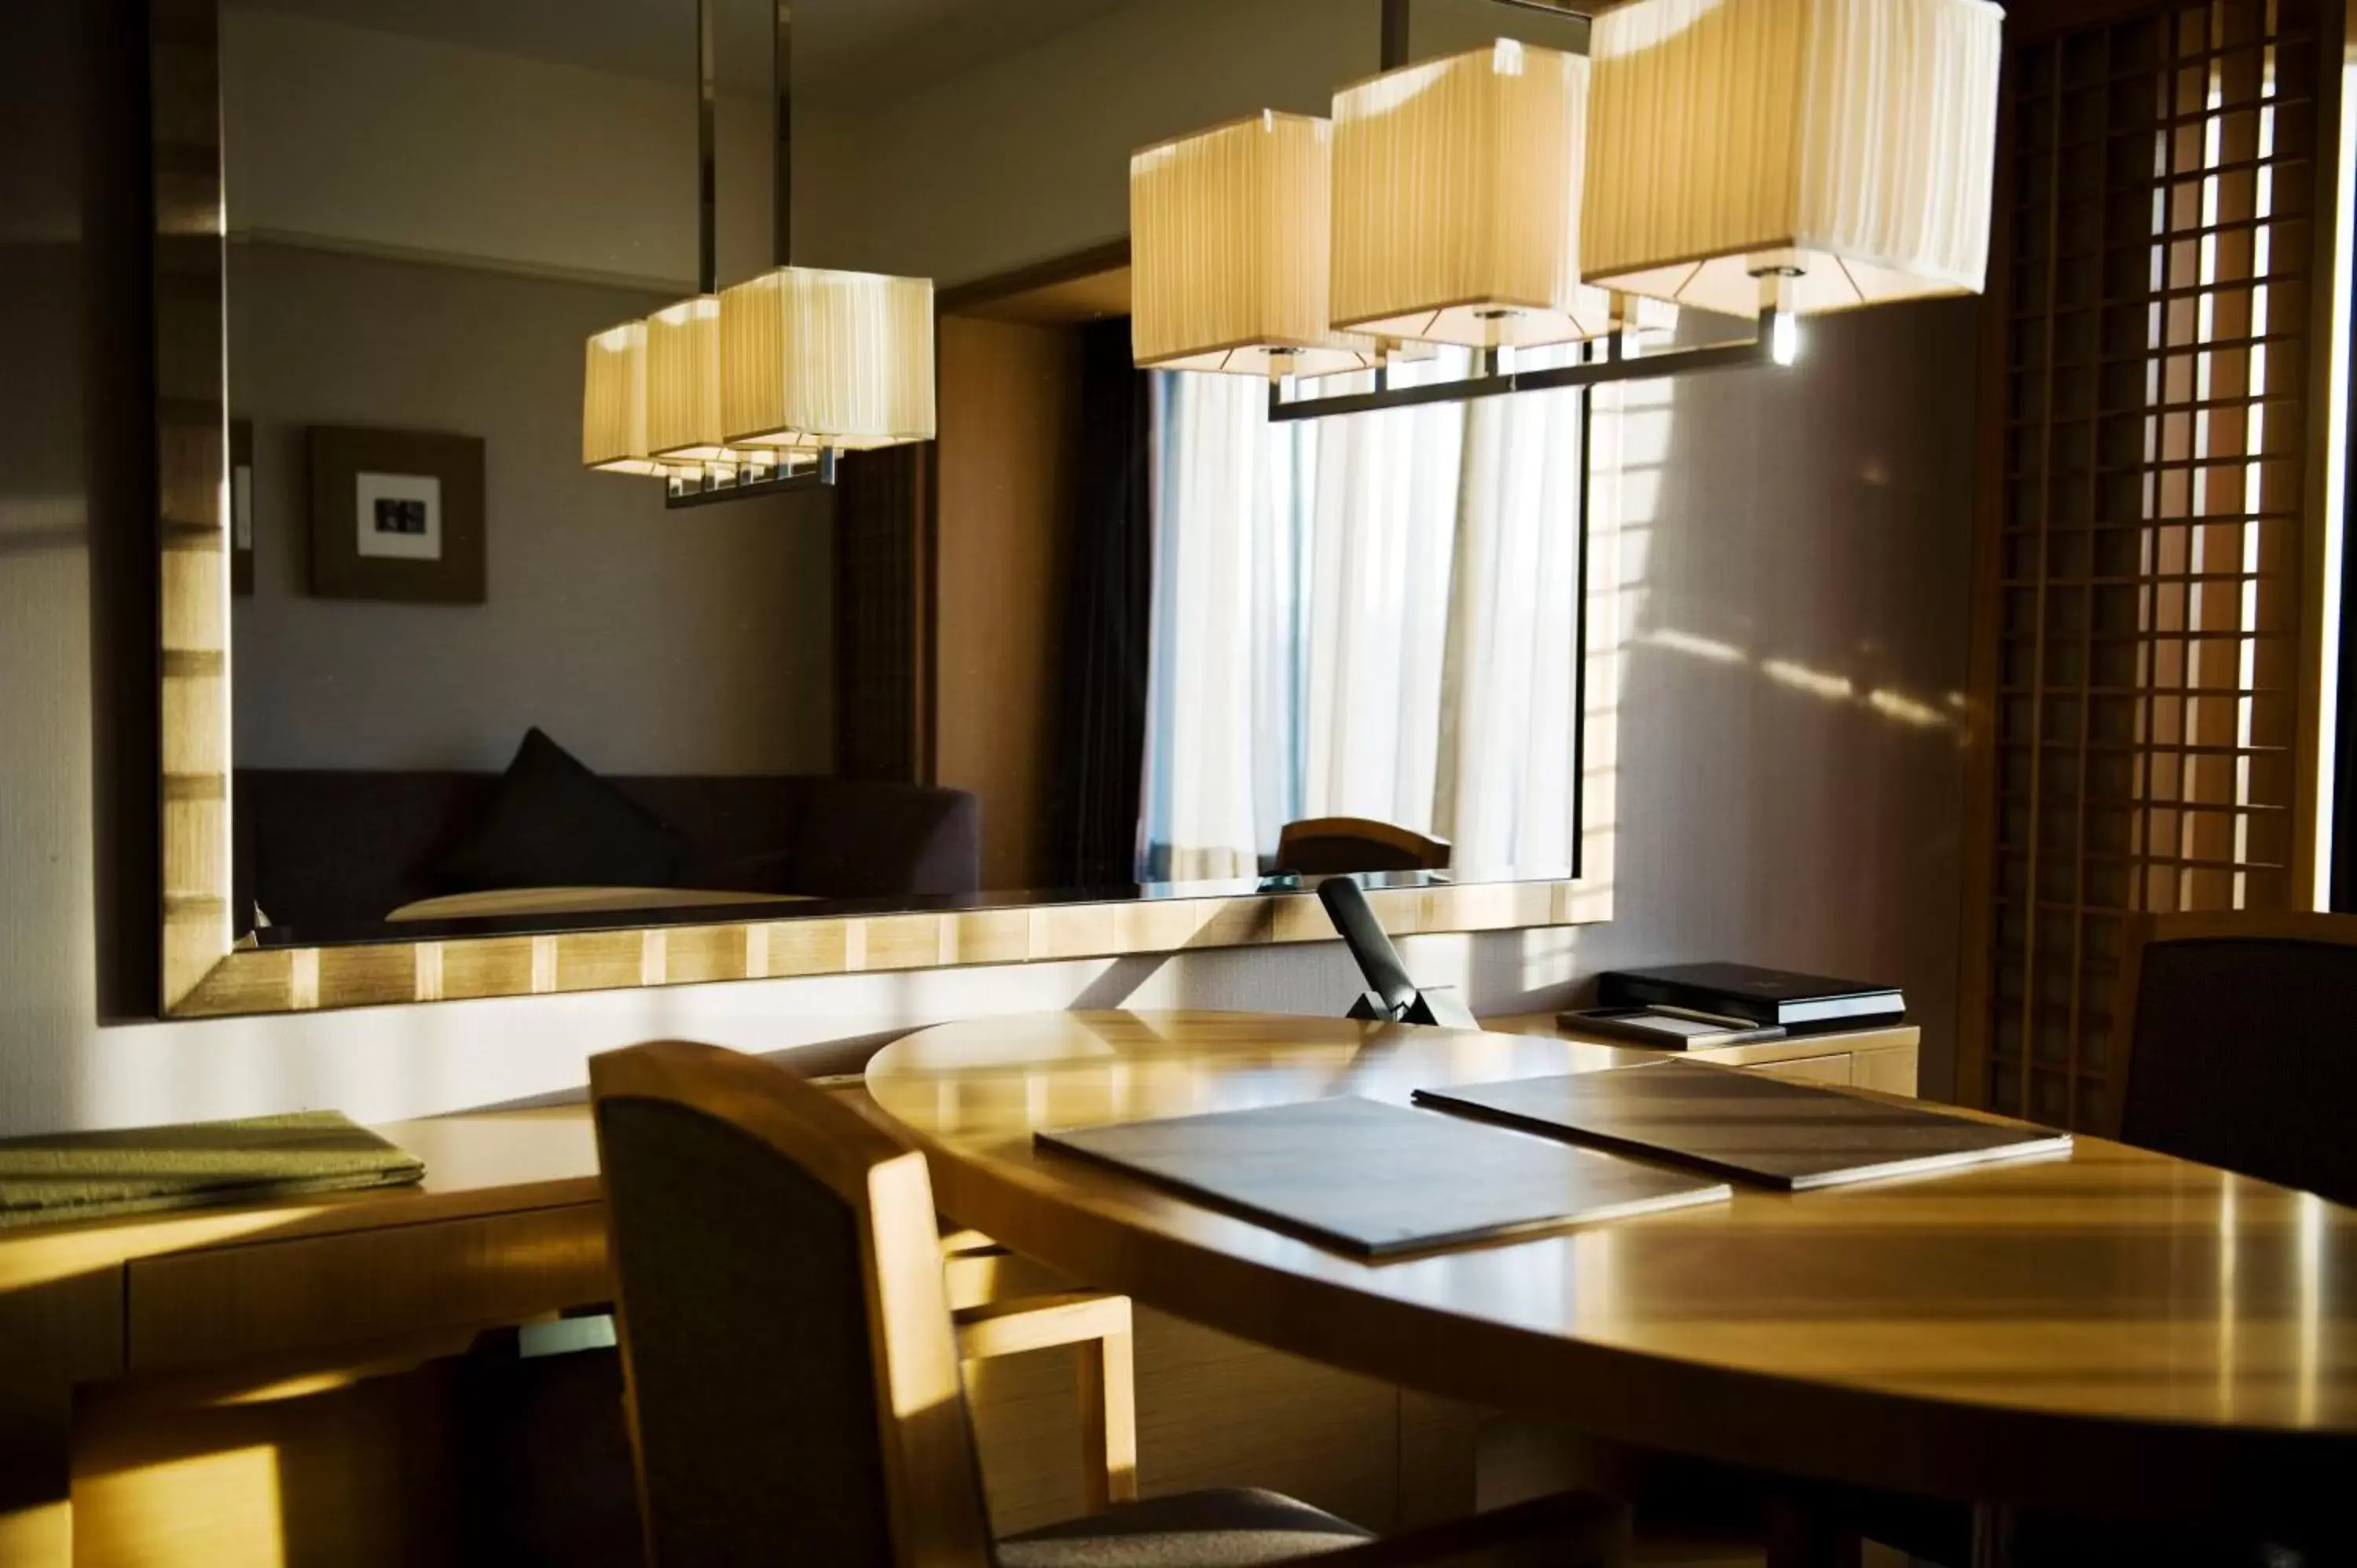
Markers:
<point>812,358</point>
<point>614,401</point>
<point>684,382</point>
<point>1846,146</point>
<point>1231,245</point>
<point>1458,201</point>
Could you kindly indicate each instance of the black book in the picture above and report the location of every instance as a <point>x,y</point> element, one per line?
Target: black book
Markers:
<point>1798,1002</point>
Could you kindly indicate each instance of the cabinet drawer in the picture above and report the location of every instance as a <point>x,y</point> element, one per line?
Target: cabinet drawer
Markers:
<point>192,1309</point>
<point>1892,1071</point>
<point>1810,1069</point>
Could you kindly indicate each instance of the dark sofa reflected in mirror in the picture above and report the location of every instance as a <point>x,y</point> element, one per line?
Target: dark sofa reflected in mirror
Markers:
<point>1112,636</point>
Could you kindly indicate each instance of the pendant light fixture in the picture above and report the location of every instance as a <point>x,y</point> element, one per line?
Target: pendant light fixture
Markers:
<point>755,390</point>
<point>1840,151</point>
<point>1229,236</point>
<point>1457,200</point>
<point>1758,158</point>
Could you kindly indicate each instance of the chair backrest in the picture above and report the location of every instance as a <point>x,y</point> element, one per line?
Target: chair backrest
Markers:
<point>793,1374</point>
<point>1329,846</point>
<point>2240,1031</point>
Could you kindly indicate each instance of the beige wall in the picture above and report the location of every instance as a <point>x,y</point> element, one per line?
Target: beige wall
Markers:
<point>1815,526</point>
<point>1028,156</point>
<point>644,640</point>
<point>404,145</point>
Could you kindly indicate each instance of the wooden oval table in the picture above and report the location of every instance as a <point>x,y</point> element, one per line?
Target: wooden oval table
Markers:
<point>2112,1332</point>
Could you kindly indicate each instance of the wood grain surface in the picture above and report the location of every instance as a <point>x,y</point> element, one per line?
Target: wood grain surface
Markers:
<point>2115,1331</point>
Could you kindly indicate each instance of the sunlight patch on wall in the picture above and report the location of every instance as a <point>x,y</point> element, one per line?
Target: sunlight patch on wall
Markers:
<point>1885,701</point>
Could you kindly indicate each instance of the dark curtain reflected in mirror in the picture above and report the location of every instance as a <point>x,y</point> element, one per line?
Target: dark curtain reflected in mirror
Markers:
<point>1109,613</point>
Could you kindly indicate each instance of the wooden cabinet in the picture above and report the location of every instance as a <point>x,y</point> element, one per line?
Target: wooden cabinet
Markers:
<point>1881,1058</point>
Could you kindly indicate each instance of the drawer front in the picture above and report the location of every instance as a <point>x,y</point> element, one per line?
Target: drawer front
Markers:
<point>1892,1071</point>
<point>1810,1069</point>
<point>223,1303</point>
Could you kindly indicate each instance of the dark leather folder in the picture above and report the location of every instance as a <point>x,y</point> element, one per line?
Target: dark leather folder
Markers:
<point>1374,1179</point>
<point>1742,1125</point>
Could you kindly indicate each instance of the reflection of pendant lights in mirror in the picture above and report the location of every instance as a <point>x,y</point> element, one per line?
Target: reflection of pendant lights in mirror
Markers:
<point>1757,159</point>
<point>684,384</point>
<point>614,401</point>
<point>815,358</point>
<point>1843,147</point>
<point>756,389</point>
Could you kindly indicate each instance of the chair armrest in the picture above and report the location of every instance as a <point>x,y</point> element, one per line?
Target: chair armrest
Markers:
<point>1570,1530</point>
<point>1039,1322</point>
<point>1097,1327</point>
<point>979,1272</point>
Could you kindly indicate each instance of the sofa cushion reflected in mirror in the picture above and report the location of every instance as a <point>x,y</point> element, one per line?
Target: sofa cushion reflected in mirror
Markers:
<point>553,822</point>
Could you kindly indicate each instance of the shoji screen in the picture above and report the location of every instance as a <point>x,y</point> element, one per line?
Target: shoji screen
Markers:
<point>2140,640</point>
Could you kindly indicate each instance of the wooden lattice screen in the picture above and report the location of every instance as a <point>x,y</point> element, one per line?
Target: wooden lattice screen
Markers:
<point>2153,272</point>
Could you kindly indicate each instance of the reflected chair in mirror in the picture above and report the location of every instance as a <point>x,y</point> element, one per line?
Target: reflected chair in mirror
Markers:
<point>1328,846</point>
<point>793,1365</point>
<point>2237,1029</point>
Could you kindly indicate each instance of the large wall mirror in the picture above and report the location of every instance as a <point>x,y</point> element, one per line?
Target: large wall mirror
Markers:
<point>1109,666</point>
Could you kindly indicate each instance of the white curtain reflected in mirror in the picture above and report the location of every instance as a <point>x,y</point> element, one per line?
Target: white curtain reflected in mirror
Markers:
<point>1378,615</point>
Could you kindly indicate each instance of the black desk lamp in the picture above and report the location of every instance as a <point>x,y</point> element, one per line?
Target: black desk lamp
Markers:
<point>1393,997</point>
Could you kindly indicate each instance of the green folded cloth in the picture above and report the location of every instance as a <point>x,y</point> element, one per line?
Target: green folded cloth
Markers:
<point>58,1177</point>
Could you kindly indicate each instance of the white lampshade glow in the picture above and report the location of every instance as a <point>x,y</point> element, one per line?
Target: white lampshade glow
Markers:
<point>1457,200</point>
<point>811,358</point>
<point>1230,237</point>
<point>614,401</point>
<point>1844,146</point>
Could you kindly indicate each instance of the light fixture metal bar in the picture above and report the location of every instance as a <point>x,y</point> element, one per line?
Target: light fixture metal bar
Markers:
<point>1614,367</point>
<point>707,176</point>
<point>1395,19</point>
<point>711,491</point>
<point>1585,9</point>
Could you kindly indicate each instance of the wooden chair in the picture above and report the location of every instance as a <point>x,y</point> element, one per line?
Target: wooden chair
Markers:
<point>1325,846</point>
<point>792,1365</point>
<point>2234,1032</point>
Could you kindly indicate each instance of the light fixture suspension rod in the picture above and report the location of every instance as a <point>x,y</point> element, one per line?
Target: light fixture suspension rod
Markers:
<point>1395,45</point>
<point>707,176</point>
<point>781,154</point>
<point>1615,367</point>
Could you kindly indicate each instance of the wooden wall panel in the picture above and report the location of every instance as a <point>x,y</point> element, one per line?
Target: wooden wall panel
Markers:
<point>1009,439</point>
<point>192,443</point>
<point>2153,303</point>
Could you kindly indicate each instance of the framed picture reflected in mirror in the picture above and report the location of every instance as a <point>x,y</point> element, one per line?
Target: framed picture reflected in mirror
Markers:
<point>396,514</point>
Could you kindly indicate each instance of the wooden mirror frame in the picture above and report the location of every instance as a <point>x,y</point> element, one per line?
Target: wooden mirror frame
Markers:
<point>207,973</point>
